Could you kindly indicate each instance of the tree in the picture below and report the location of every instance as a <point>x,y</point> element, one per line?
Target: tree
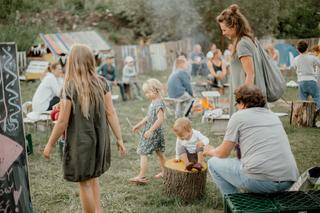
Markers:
<point>299,19</point>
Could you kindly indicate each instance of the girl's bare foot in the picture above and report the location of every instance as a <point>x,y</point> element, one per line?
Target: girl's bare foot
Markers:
<point>158,176</point>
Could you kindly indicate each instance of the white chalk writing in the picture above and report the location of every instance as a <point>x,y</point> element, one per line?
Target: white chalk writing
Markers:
<point>10,68</point>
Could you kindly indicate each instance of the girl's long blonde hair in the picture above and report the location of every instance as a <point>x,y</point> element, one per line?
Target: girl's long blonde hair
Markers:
<point>82,80</point>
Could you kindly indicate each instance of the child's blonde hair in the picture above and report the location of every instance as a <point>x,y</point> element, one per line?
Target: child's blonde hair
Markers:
<point>81,79</point>
<point>153,85</point>
<point>182,125</point>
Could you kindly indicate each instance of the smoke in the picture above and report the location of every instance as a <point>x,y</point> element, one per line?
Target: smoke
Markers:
<point>175,19</point>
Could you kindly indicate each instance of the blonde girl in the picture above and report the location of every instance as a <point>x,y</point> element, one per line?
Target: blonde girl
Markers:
<point>86,112</point>
<point>152,137</point>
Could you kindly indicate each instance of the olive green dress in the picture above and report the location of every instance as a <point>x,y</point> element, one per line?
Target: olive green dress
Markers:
<point>87,147</point>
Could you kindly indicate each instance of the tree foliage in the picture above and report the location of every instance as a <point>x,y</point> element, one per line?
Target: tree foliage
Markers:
<point>299,19</point>
<point>158,20</point>
<point>262,16</point>
<point>127,21</point>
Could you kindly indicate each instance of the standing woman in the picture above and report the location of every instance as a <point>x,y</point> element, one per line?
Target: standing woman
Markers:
<point>246,67</point>
<point>86,112</point>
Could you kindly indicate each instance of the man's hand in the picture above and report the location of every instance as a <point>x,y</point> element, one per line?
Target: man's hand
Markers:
<point>207,149</point>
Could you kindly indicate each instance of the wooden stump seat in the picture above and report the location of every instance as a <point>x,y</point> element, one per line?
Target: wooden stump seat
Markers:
<point>303,113</point>
<point>187,185</point>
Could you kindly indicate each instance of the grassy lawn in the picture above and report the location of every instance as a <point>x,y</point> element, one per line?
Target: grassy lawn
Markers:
<point>51,193</point>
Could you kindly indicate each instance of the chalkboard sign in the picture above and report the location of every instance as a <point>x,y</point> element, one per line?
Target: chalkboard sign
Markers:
<point>14,180</point>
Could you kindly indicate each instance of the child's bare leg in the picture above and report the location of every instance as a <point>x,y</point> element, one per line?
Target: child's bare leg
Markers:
<point>185,159</point>
<point>141,178</point>
<point>162,160</point>
<point>143,165</point>
<point>96,194</point>
<point>86,196</point>
<point>200,157</point>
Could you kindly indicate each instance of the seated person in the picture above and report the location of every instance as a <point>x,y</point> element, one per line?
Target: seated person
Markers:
<point>174,67</point>
<point>108,71</point>
<point>217,70</point>
<point>129,78</point>
<point>49,90</point>
<point>265,161</point>
<point>179,85</point>
<point>189,144</point>
<point>197,60</point>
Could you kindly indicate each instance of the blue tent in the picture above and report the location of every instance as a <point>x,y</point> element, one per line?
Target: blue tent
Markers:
<point>284,52</point>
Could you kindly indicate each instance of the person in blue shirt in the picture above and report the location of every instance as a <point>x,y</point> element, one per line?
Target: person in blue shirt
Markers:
<point>108,71</point>
<point>179,85</point>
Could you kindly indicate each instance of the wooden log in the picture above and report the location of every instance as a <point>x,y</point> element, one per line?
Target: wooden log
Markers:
<point>303,114</point>
<point>187,185</point>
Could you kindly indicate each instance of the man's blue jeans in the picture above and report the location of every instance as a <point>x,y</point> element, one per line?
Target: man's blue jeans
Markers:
<point>311,88</point>
<point>229,178</point>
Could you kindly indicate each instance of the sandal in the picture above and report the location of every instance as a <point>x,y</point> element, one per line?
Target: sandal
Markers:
<point>158,176</point>
<point>189,166</point>
<point>197,166</point>
<point>139,180</point>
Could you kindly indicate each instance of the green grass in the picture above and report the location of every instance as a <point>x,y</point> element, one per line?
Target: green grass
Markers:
<point>50,193</point>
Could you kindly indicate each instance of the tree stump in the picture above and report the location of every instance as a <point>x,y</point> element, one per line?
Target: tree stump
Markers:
<point>303,113</point>
<point>187,185</point>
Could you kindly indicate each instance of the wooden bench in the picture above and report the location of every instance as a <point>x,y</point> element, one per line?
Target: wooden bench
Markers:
<point>219,125</point>
<point>172,103</point>
<point>39,121</point>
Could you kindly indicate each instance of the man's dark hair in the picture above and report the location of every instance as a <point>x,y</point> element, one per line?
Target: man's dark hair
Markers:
<point>302,46</point>
<point>250,96</point>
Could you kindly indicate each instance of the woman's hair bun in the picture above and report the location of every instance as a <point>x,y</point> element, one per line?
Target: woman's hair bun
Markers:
<point>234,8</point>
